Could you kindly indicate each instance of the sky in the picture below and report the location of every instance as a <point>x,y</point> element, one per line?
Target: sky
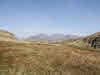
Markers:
<point>24,17</point>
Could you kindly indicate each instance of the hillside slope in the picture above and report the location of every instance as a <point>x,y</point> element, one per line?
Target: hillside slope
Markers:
<point>27,58</point>
<point>85,42</point>
<point>5,35</point>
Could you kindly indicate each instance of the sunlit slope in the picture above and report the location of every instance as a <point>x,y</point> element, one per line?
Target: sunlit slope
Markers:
<point>5,35</point>
<point>26,57</point>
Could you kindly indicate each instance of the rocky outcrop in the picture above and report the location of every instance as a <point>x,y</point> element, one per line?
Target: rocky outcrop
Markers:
<point>93,40</point>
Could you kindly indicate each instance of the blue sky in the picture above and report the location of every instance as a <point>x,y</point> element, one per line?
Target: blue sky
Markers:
<point>24,17</point>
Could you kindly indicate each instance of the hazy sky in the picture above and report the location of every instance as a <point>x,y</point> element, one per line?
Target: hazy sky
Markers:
<point>50,16</point>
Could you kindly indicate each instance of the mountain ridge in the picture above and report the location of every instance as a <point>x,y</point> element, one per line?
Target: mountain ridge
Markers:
<point>53,37</point>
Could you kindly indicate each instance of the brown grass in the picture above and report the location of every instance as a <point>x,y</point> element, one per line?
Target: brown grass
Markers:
<point>48,59</point>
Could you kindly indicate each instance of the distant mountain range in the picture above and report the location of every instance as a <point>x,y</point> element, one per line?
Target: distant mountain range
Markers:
<point>53,37</point>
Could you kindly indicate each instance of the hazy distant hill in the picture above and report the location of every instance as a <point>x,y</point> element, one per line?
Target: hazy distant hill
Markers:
<point>53,37</point>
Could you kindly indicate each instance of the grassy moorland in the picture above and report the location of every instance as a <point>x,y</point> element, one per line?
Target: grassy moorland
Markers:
<point>27,58</point>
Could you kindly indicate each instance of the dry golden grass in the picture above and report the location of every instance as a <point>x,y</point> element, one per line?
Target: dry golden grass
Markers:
<point>48,59</point>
